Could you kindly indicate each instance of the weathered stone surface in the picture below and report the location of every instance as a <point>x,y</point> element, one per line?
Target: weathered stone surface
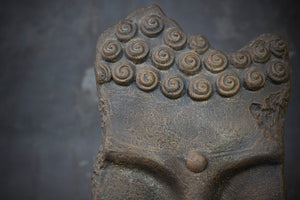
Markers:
<point>182,120</point>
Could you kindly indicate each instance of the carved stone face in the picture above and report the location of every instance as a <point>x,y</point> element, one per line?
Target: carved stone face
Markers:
<point>182,120</point>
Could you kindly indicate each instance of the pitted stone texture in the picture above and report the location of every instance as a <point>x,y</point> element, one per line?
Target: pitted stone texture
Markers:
<point>182,120</point>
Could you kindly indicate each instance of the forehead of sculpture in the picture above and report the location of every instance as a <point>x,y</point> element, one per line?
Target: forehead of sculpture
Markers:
<point>151,119</point>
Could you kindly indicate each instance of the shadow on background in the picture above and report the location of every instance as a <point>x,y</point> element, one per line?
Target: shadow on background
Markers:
<point>49,122</point>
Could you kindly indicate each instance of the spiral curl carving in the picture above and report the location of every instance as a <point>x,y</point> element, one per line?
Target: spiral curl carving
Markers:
<point>241,59</point>
<point>198,43</point>
<point>123,73</point>
<point>173,87</point>
<point>175,38</point>
<point>111,50</point>
<point>278,46</point>
<point>227,84</point>
<point>200,89</point>
<point>254,79</point>
<point>261,53</point>
<point>147,79</point>
<point>152,25</point>
<point>103,73</point>
<point>163,57</point>
<point>126,30</point>
<point>189,63</point>
<point>137,50</point>
<point>278,71</point>
<point>216,61</point>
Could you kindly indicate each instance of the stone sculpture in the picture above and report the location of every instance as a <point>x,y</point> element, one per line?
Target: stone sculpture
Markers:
<point>182,120</point>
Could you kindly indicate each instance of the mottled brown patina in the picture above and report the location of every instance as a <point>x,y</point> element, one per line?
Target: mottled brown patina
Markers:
<point>182,120</point>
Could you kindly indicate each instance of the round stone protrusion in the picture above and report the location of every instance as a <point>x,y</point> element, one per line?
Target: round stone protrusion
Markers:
<point>195,162</point>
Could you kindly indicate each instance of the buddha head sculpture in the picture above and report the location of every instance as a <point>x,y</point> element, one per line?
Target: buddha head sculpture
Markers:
<point>182,120</point>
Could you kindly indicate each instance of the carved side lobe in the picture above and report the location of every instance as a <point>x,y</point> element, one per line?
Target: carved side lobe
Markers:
<point>270,116</point>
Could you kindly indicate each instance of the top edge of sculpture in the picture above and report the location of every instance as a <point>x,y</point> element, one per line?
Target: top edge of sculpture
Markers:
<point>141,48</point>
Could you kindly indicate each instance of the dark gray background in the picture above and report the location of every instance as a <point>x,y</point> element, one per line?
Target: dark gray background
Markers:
<point>49,122</point>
